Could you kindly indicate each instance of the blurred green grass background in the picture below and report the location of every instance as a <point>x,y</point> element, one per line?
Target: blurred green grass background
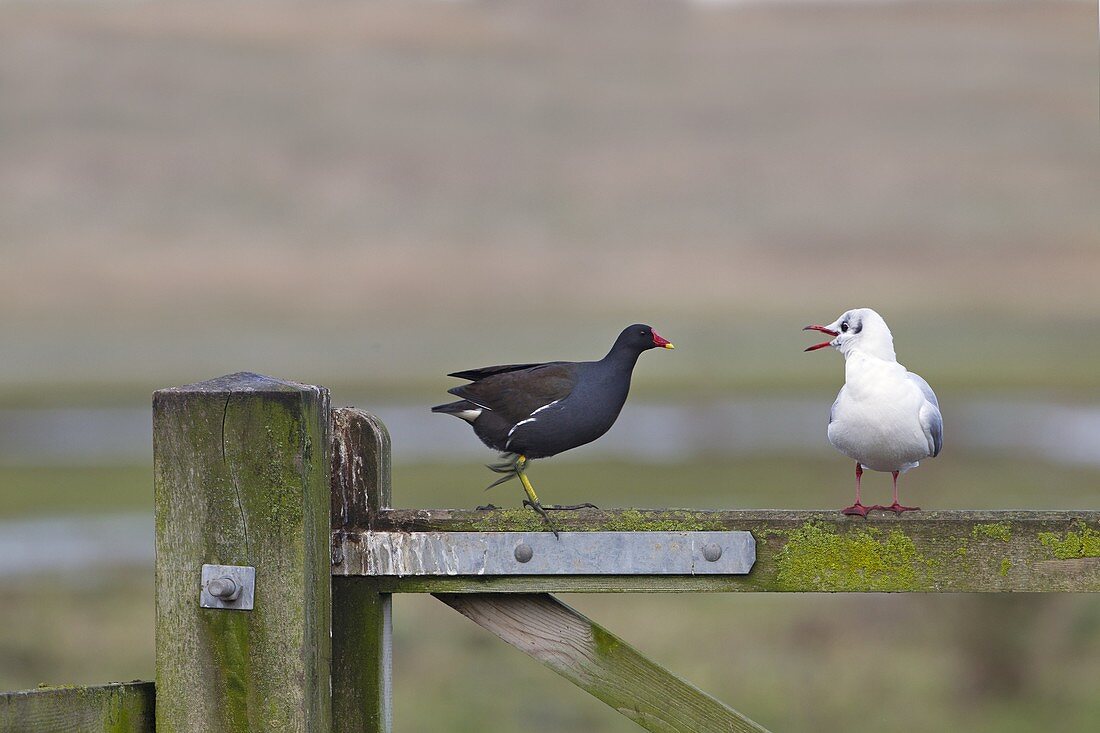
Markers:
<point>368,196</point>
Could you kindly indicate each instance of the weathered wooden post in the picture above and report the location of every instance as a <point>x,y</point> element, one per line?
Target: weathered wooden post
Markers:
<point>242,473</point>
<point>361,626</point>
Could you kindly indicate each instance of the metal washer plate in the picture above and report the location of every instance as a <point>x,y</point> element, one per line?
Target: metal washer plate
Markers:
<point>242,575</point>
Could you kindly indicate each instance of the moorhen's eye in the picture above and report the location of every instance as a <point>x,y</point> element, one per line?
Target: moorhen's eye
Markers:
<point>844,327</point>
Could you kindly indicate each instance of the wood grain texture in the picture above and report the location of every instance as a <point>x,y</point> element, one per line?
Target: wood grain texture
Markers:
<point>362,656</point>
<point>800,551</point>
<point>242,477</point>
<point>600,663</point>
<point>115,708</point>
<point>360,468</point>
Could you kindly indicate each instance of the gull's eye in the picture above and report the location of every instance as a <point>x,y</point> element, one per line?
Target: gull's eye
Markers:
<point>844,327</point>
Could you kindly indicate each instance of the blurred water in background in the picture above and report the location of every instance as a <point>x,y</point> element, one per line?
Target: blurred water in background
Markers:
<point>646,431</point>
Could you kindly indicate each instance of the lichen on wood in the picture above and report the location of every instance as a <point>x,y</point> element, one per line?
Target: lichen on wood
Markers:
<point>992,530</point>
<point>1081,541</point>
<point>817,557</point>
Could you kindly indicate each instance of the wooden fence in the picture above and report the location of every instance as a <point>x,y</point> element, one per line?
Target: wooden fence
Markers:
<point>256,473</point>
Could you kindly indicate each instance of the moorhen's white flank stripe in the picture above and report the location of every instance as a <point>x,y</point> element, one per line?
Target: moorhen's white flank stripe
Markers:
<point>530,419</point>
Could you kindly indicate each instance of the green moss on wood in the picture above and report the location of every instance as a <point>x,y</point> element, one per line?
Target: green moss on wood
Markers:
<point>762,534</point>
<point>606,643</point>
<point>1073,544</point>
<point>633,520</point>
<point>817,557</point>
<point>509,520</point>
<point>627,520</point>
<point>233,664</point>
<point>992,530</point>
<point>361,650</point>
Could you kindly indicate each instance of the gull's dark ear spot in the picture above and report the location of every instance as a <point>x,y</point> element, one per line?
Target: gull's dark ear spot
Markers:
<point>857,326</point>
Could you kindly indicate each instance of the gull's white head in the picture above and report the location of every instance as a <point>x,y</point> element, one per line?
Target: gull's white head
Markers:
<point>860,329</point>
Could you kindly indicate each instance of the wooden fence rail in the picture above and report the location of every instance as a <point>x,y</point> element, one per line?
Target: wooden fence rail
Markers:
<point>123,707</point>
<point>258,475</point>
<point>801,551</point>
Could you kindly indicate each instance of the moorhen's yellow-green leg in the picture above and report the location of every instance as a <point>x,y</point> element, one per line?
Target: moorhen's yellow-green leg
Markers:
<point>532,499</point>
<point>520,462</point>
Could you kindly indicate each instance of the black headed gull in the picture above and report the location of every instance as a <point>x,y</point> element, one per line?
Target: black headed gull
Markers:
<point>885,417</point>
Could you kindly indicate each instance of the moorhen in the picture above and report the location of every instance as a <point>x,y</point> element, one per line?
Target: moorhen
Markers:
<point>529,411</point>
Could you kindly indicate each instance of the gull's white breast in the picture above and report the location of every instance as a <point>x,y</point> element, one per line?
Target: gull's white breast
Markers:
<point>876,419</point>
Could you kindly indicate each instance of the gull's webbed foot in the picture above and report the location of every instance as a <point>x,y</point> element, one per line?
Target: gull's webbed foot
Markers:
<point>857,510</point>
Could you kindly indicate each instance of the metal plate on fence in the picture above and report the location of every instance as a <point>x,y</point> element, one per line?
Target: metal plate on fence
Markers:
<point>572,553</point>
<point>228,586</point>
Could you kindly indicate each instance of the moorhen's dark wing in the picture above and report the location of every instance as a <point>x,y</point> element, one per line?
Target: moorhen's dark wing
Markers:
<point>515,394</point>
<point>475,374</point>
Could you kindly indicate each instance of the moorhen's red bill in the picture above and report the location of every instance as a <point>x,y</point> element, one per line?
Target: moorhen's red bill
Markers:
<point>530,411</point>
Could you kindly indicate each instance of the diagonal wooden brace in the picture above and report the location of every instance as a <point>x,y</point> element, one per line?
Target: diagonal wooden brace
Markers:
<point>598,662</point>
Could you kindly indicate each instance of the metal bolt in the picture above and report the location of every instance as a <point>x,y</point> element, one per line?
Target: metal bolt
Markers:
<point>712,552</point>
<point>224,588</point>
<point>523,552</point>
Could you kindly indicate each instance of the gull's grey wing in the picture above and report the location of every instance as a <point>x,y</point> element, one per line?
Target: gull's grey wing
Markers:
<point>925,388</point>
<point>832,410</point>
<point>930,418</point>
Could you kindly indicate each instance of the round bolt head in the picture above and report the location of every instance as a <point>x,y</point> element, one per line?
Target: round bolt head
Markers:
<point>224,588</point>
<point>523,552</point>
<point>712,552</point>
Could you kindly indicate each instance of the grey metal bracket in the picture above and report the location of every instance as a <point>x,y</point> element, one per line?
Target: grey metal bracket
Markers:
<point>572,553</point>
<point>228,586</point>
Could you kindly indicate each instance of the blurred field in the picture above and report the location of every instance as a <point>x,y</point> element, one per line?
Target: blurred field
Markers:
<point>368,196</point>
<point>371,194</point>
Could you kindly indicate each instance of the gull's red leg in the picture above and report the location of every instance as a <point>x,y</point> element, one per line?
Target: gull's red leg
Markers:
<point>857,509</point>
<point>897,508</point>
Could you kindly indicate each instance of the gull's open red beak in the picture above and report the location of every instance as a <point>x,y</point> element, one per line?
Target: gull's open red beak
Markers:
<point>662,342</point>
<point>823,344</point>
